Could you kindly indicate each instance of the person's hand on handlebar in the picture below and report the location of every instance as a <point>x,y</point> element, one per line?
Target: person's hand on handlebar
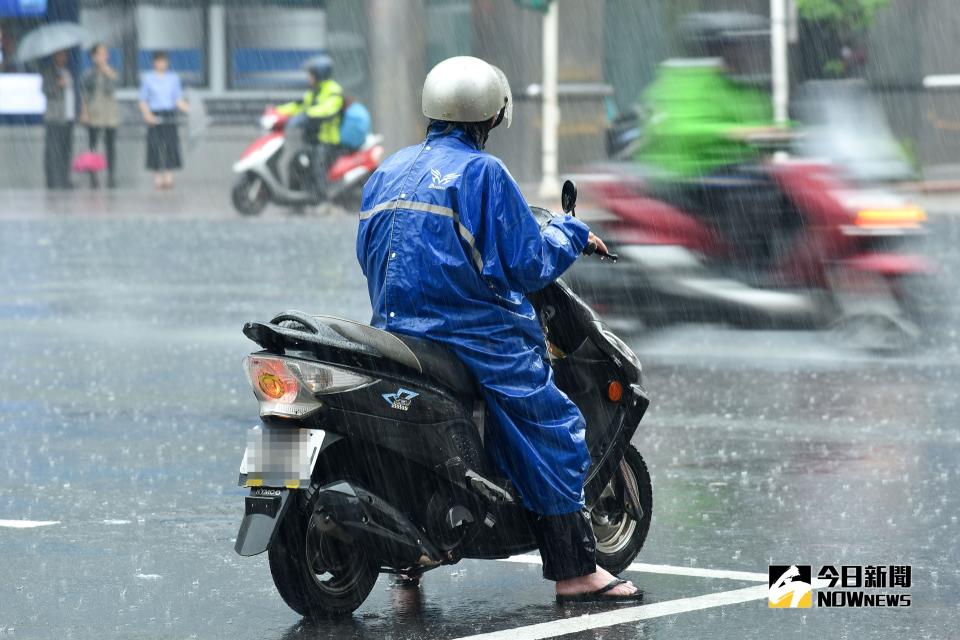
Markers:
<point>598,244</point>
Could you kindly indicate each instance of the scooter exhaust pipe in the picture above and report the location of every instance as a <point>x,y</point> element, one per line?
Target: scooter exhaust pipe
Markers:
<point>354,515</point>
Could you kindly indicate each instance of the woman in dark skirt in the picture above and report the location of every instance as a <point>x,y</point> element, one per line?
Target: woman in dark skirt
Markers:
<point>161,98</point>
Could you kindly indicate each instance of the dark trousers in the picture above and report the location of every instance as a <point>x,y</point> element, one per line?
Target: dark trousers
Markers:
<point>109,144</point>
<point>567,545</point>
<point>321,160</point>
<point>57,154</point>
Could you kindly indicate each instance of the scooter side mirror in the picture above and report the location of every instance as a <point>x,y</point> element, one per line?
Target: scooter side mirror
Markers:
<point>568,197</point>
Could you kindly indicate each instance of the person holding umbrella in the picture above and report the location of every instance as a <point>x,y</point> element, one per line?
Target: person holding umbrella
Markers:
<point>52,41</point>
<point>161,97</point>
<point>58,121</point>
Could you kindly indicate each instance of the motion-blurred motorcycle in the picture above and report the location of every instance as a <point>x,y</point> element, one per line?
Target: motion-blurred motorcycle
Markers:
<point>276,168</point>
<point>813,240</point>
<point>370,455</point>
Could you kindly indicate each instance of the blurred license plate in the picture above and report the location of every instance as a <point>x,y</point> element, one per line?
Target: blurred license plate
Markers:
<point>278,457</point>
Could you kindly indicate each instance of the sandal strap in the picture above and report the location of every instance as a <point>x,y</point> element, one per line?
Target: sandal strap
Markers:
<point>616,582</point>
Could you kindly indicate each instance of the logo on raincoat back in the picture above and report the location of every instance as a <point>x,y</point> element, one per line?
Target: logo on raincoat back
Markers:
<point>441,181</point>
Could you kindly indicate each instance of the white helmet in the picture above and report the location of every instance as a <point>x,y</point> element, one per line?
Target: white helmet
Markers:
<point>467,89</point>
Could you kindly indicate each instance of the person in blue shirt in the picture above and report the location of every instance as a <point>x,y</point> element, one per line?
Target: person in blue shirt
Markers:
<point>450,248</point>
<point>161,98</point>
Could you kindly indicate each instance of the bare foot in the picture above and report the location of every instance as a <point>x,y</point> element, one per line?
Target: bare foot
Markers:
<point>596,580</point>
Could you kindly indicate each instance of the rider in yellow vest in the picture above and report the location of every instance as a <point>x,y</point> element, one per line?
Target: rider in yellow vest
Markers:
<point>322,107</point>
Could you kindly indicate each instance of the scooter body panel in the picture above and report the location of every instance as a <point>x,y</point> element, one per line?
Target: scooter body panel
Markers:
<point>416,444</point>
<point>676,268</point>
<point>271,156</point>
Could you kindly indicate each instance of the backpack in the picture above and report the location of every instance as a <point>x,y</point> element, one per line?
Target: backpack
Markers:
<point>354,125</point>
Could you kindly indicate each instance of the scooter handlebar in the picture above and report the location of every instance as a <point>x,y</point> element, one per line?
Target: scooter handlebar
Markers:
<point>592,248</point>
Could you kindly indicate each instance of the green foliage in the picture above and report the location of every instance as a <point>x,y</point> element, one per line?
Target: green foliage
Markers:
<point>536,5</point>
<point>834,68</point>
<point>846,14</point>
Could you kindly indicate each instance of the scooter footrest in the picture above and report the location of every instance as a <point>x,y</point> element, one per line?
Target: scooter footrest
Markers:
<point>489,490</point>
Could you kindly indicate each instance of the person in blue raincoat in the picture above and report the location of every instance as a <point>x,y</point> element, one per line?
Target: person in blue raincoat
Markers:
<point>449,248</point>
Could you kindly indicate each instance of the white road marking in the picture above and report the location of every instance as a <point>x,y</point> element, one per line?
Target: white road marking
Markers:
<point>622,616</point>
<point>668,570</point>
<point>27,524</point>
<point>116,522</point>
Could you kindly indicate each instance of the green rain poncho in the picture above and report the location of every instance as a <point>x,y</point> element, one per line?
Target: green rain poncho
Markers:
<point>694,107</point>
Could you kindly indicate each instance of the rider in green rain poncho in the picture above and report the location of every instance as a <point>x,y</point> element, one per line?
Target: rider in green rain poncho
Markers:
<point>703,115</point>
<point>699,118</point>
<point>701,110</point>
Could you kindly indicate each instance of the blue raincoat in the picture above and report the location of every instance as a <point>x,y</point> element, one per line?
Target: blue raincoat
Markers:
<point>449,248</point>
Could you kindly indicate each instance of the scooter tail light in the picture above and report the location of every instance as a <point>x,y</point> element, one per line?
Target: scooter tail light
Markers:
<point>271,379</point>
<point>901,217</point>
<point>320,379</point>
<point>289,388</point>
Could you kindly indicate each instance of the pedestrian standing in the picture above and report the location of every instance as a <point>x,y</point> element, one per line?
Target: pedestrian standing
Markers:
<point>161,97</point>
<point>99,109</point>
<point>58,121</point>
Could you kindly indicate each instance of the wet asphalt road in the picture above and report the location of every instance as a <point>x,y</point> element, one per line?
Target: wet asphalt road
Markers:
<point>123,409</point>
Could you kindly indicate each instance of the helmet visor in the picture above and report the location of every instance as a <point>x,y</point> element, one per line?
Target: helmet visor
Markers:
<point>508,96</point>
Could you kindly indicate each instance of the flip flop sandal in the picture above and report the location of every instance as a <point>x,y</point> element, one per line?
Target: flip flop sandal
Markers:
<point>600,595</point>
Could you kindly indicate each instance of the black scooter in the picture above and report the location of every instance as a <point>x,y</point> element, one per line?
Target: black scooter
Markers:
<point>370,454</point>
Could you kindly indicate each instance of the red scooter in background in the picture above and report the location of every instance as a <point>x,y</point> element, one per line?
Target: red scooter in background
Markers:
<point>276,168</point>
<point>811,242</point>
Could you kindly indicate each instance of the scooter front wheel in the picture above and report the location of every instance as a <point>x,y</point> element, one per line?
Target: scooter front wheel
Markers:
<point>317,575</point>
<point>250,194</point>
<point>621,516</point>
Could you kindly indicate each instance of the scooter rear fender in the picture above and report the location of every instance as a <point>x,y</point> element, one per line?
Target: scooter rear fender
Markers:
<point>264,510</point>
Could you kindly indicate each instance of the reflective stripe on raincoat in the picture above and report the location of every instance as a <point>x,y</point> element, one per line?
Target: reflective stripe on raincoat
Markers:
<point>449,248</point>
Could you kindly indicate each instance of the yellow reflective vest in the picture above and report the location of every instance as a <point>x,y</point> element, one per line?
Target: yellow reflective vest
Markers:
<point>324,105</point>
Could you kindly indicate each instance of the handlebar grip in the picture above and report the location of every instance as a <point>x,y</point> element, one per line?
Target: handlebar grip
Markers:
<point>591,249</point>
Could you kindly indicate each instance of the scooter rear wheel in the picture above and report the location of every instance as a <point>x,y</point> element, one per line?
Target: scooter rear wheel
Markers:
<point>318,576</point>
<point>619,526</point>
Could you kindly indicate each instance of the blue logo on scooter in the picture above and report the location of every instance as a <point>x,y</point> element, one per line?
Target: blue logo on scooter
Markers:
<point>400,399</point>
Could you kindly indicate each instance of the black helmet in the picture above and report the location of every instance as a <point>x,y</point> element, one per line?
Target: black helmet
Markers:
<point>320,66</point>
<point>709,29</point>
<point>741,39</point>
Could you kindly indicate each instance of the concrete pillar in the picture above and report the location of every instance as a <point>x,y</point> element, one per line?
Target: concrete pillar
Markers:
<point>512,39</point>
<point>398,50</point>
<point>217,47</point>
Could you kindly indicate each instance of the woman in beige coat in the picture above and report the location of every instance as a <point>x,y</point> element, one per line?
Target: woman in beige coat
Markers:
<point>100,112</point>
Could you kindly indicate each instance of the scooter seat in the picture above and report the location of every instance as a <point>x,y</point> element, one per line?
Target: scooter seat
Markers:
<point>442,366</point>
<point>428,358</point>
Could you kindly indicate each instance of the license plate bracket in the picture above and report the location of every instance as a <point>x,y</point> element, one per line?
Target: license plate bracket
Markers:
<point>280,457</point>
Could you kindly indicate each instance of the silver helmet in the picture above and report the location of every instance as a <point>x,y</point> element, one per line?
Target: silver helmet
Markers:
<point>467,89</point>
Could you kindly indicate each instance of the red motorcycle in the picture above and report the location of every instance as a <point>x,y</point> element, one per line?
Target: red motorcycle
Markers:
<point>276,168</point>
<point>799,247</point>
